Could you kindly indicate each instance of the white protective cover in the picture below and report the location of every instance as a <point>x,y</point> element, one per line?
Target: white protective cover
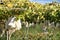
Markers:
<point>18,24</point>
<point>15,24</point>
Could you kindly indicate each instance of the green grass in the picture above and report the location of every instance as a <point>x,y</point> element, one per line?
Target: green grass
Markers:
<point>35,33</point>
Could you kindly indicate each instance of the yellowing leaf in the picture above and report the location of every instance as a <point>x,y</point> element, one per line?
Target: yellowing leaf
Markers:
<point>10,5</point>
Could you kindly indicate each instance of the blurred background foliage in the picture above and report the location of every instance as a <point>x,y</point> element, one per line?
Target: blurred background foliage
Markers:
<point>31,12</point>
